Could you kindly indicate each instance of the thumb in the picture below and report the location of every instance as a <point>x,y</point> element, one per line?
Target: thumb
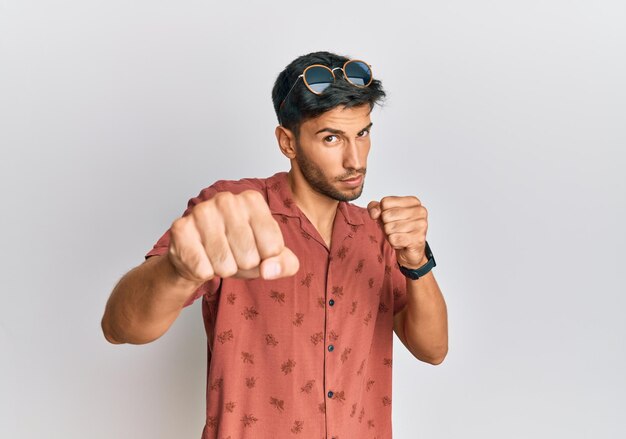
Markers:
<point>374,209</point>
<point>284,264</point>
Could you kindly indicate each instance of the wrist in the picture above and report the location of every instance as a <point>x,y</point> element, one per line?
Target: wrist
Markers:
<point>423,262</point>
<point>427,263</point>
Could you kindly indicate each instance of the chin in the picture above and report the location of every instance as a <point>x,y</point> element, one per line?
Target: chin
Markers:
<point>350,195</point>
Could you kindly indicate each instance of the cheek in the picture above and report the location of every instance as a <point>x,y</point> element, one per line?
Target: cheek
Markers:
<point>365,152</point>
<point>330,157</point>
<point>325,161</point>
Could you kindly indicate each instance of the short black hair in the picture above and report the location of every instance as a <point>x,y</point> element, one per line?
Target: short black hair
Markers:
<point>302,105</point>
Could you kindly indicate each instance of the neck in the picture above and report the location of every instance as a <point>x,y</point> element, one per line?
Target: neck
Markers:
<point>318,208</point>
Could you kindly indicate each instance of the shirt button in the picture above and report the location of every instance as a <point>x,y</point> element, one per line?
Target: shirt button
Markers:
<point>331,302</point>
<point>331,348</point>
<point>330,393</point>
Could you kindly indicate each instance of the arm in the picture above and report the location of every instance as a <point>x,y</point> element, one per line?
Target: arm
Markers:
<point>422,326</point>
<point>145,302</point>
<point>226,236</point>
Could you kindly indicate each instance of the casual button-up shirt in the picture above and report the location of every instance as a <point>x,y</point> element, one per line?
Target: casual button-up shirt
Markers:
<point>309,355</point>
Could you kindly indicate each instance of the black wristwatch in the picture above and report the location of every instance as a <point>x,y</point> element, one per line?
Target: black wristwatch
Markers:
<point>419,272</point>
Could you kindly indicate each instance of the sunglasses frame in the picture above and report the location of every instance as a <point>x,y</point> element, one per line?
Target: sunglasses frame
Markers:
<point>332,72</point>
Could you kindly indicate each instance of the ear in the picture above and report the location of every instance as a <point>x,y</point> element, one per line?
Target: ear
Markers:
<point>286,141</point>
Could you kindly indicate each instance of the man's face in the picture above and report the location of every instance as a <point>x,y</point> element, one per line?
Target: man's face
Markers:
<point>332,148</point>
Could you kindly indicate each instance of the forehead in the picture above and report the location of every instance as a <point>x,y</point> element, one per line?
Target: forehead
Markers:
<point>352,119</point>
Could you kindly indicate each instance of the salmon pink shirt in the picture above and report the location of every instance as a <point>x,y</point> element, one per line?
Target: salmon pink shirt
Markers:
<point>310,355</point>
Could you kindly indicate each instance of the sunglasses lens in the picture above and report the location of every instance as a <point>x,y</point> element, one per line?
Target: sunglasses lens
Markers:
<point>318,78</point>
<point>358,73</point>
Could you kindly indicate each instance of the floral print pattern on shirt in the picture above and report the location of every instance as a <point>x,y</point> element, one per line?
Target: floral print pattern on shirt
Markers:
<point>308,356</point>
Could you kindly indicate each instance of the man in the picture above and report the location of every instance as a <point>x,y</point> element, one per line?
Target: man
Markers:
<point>301,290</point>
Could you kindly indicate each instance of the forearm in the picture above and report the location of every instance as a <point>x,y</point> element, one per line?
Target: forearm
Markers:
<point>426,320</point>
<point>145,302</point>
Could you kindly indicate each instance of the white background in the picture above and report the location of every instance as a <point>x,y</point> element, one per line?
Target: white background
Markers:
<point>507,120</point>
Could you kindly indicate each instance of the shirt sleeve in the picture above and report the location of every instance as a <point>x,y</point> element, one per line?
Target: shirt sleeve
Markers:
<point>398,280</point>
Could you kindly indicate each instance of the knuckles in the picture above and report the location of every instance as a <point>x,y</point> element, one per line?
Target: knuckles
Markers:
<point>203,209</point>
<point>227,202</point>
<point>392,213</point>
<point>384,203</point>
<point>387,215</point>
<point>249,261</point>
<point>252,196</point>
<point>224,200</point>
<point>246,253</point>
<point>225,270</point>
<point>223,264</point>
<point>424,211</point>
<point>274,248</point>
<point>388,228</point>
<point>234,211</point>
<point>179,227</point>
<point>195,266</point>
<point>396,240</point>
<point>389,202</point>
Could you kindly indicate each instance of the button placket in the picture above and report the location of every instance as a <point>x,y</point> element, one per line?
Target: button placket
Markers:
<point>331,322</point>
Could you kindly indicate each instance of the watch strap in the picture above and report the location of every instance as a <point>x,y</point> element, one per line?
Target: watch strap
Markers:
<point>421,271</point>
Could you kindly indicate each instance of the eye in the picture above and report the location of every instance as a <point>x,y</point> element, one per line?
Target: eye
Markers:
<point>364,133</point>
<point>331,139</point>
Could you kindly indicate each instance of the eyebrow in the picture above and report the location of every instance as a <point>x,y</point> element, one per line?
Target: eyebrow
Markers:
<point>335,131</point>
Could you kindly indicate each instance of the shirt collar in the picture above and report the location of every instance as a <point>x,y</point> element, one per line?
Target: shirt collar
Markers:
<point>280,200</point>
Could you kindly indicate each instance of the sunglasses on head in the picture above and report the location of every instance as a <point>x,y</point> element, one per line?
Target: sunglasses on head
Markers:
<point>318,77</point>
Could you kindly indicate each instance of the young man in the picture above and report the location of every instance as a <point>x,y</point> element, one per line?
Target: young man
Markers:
<point>301,290</point>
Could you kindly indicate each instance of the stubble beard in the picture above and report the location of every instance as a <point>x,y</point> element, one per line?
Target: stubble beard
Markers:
<point>316,178</point>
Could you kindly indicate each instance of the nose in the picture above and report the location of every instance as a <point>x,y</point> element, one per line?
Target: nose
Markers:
<point>352,156</point>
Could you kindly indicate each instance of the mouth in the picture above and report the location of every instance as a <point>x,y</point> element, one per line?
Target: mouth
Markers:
<point>353,181</point>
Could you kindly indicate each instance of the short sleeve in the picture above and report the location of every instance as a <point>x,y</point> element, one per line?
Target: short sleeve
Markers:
<point>399,290</point>
<point>398,281</point>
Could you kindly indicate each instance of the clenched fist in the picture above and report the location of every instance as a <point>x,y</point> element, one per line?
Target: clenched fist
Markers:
<point>405,222</point>
<point>230,236</point>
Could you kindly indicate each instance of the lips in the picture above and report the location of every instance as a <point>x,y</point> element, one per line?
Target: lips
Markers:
<point>354,181</point>
<point>355,178</point>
